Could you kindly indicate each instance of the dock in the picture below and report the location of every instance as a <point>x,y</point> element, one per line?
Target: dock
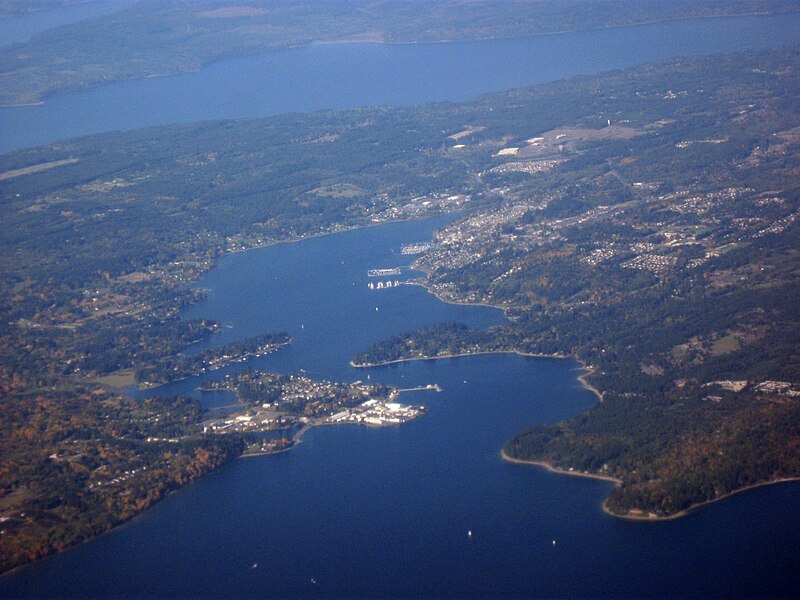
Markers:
<point>383,285</point>
<point>383,272</point>
<point>431,387</point>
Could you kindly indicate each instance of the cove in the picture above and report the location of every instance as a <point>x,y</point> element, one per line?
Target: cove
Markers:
<point>361,512</point>
<point>339,76</point>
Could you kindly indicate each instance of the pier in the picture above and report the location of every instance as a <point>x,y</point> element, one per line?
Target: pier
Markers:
<point>431,387</point>
<point>383,285</point>
<point>383,272</point>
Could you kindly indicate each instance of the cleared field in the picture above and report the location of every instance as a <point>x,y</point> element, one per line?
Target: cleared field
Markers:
<point>123,378</point>
<point>466,132</point>
<point>339,190</point>
<point>36,168</point>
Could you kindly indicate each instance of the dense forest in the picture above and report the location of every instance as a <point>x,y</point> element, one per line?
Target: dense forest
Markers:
<point>78,461</point>
<point>662,253</point>
<point>661,249</point>
<point>172,368</point>
<point>439,340</point>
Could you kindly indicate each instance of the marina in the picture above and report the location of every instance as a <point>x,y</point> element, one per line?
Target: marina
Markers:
<point>384,272</point>
<point>384,285</point>
<point>322,518</point>
<point>435,387</point>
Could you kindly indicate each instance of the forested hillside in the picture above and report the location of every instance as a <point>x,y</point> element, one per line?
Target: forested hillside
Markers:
<point>643,220</point>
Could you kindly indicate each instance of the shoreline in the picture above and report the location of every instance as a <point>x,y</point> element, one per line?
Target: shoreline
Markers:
<point>581,379</point>
<point>114,528</point>
<point>456,355</point>
<point>129,521</point>
<point>503,309</point>
<point>548,466</point>
<point>268,49</point>
<point>699,505</point>
<point>298,437</point>
<point>644,516</point>
<point>495,38</point>
<point>346,229</point>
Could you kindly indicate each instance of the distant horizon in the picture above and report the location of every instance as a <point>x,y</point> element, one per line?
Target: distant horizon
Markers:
<point>416,284</point>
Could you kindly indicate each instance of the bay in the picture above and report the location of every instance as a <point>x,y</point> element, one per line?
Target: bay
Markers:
<point>362,512</point>
<point>385,512</point>
<point>338,76</point>
<point>316,290</point>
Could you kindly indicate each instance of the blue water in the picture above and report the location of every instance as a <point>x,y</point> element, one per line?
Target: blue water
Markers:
<point>14,30</point>
<point>362,512</point>
<point>350,75</point>
<point>317,292</point>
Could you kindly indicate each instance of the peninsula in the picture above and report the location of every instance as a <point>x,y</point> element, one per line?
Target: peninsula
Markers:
<point>293,403</point>
<point>644,221</point>
<point>657,269</point>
